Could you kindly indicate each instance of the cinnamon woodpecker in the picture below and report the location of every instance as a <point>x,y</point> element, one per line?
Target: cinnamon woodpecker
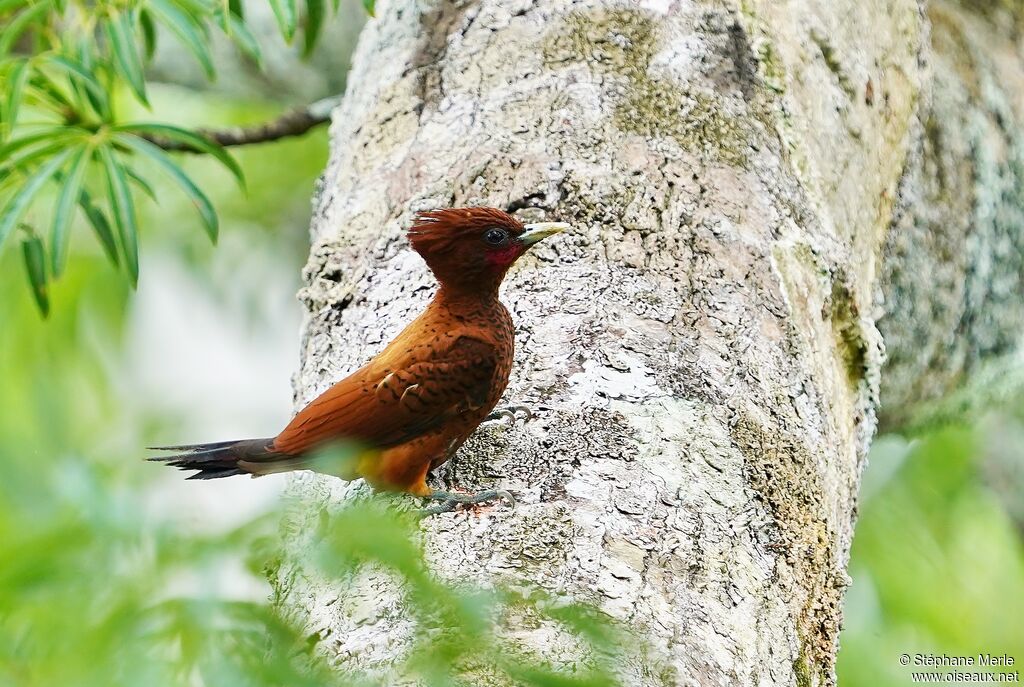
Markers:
<point>411,407</point>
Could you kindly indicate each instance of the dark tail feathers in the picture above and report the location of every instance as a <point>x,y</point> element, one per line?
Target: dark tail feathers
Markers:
<point>226,458</point>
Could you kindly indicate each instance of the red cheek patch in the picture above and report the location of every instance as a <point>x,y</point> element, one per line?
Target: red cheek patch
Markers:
<point>504,257</point>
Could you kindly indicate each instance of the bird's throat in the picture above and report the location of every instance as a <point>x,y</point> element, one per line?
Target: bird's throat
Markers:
<point>468,302</point>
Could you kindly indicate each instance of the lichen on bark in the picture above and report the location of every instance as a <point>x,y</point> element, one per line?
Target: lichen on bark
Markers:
<point>953,286</point>
<point>701,350</point>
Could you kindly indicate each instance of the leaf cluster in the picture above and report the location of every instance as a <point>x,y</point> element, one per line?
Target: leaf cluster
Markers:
<point>91,594</point>
<point>64,64</point>
<point>456,629</point>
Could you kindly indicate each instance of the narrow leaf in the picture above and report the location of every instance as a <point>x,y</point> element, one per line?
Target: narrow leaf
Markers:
<point>244,39</point>
<point>198,198</point>
<point>124,212</point>
<point>83,50</point>
<point>100,225</point>
<point>189,138</point>
<point>121,35</point>
<point>15,87</point>
<point>141,182</point>
<point>368,5</point>
<point>314,21</point>
<point>8,5</point>
<point>18,204</point>
<point>27,158</point>
<point>193,37</point>
<point>24,149</point>
<point>15,144</point>
<point>284,11</point>
<point>48,90</point>
<point>69,193</point>
<point>236,8</point>
<point>17,26</point>
<point>78,74</point>
<point>222,16</point>
<point>148,34</point>
<point>35,266</point>
<point>200,8</point>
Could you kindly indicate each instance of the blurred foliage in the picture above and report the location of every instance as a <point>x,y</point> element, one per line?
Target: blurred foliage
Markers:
<point>99,588</point>
<point>455,637</point>
<point>64,65</point>
<point>937,561</point>
<point>84,595</point>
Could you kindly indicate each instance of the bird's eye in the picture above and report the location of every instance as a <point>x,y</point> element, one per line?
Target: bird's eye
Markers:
<point>495,236</point>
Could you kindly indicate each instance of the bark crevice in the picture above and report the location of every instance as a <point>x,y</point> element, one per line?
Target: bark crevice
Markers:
<point>703,349</point>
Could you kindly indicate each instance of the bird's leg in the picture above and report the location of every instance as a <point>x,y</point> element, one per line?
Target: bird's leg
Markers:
<point>450,500</point>
<point>510,412</point>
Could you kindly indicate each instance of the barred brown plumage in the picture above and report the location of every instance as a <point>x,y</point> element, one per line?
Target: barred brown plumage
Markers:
<point>414,404</point>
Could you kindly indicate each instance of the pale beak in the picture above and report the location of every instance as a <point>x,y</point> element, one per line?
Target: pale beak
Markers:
<point>541,230</point>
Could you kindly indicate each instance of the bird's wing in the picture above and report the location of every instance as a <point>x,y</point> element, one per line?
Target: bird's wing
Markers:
<point>387,407</point>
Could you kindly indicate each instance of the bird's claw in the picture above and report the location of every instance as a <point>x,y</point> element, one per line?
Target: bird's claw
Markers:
<point>449,501</point>
<point>510,412</point>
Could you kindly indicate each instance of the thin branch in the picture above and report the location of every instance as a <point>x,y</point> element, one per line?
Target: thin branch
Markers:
<point>292,123</point>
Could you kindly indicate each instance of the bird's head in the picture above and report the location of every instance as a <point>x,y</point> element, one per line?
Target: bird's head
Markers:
<point>471,249</point>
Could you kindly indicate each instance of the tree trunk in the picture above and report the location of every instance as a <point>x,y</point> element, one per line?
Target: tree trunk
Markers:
<point>953,273</point>
<point>701,351</point>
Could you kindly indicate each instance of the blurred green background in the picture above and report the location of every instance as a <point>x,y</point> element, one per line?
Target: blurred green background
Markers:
<point>97,545</point>
<point>115,571</point>
<point>99,548</point>
<point>938,561</point>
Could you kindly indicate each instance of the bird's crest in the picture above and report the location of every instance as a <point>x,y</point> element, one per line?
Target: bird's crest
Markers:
<point>434,230</point>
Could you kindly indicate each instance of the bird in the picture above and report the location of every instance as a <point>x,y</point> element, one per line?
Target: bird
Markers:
<point>413,405</point>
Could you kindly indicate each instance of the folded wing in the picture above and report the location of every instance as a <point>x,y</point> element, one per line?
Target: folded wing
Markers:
<point>388,407</point>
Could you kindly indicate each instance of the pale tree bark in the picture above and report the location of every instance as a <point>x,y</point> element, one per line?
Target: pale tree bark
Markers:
<point>745,183</point>
<point>954,270</point>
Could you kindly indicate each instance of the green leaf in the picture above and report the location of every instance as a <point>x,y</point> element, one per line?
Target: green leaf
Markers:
<point>50,94</point>
<point>124,212</point>
<point>8,5</point>
<point>244,39</point>
<point>100,225</point>
<point>221,17</point>
<point>191,35</point>
<point>17,26</point>
<point>78,74</point>
<point>200,8</point>
<point>15,87</point>
<point>148,34</point>
<point>368,5</point>
<point>236,8</point>
<point>15,144</point>
<point>83,47</point>
<point>141,182</point>
<point>198,198</point>
<point>314,21</point>
<point>31,154</point>
<point>120,33</point>
<point>35,266</point>
<point>18,204</point>
<point>187,137</point>
<point>53,137</point>
<point>287,17</point>
<point>71,184</point>
<point>80,53</point>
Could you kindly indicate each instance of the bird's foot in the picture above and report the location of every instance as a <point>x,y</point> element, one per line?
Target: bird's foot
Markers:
<point>512,413</point>
<point>449,500</point>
